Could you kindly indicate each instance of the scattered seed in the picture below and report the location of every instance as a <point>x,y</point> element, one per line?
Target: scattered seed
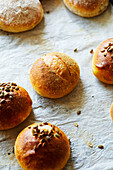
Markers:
<point>75,50</point>
<point>78,112</point>
<point>100,146</point>
<point>90,145</point>
<point>47,12</point>
<point>91,51</point>
<point>76,124</point>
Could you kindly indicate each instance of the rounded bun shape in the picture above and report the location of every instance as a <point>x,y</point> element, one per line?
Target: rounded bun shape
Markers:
<point>87,8</point>
<point>15,105</point>
<point>42,146</point>
<point>54,75</point>
<point>20,15</point>
<point>102,64</point>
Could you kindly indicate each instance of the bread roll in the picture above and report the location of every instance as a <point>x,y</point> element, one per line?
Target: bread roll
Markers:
<point>54,75</point>
<point>15,105</point>
<point>42,146</point>
<point>102,65</point>
<point>87,8</point>
<point>20,15</point>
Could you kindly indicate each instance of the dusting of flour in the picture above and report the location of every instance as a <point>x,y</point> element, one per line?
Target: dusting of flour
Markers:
<point>16,12</point>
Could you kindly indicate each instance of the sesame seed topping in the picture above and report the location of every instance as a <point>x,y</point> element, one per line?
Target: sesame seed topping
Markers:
<point>48,138</point>
<point>35,148</point>
<point>57,130</point>
<point>2,101</point>
<point>56,135</point>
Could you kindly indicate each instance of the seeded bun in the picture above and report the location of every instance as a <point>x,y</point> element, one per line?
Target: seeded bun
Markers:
<point>42,146</point>
<point>54,75</point>
<point>20,15</point>
<point>87,8</point>
<point>15,105</point>
<point>102,65</point>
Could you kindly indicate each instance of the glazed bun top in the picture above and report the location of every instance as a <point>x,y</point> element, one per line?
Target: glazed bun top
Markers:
<point>103,56</point>
<point>15,105</point>
<point>42,146</point>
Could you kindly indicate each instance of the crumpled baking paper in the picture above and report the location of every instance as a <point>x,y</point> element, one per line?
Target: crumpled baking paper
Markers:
<point>62,31</point>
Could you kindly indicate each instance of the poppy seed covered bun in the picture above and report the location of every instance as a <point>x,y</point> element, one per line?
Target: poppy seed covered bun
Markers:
<point>87,8</point>
<point>42,146</point>
<point>15,105</point>
<point>20,15</point>
<point>54,75</point>
<point>102,65</point>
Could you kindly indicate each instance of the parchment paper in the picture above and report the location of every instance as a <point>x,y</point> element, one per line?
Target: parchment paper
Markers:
<point>62,31</point>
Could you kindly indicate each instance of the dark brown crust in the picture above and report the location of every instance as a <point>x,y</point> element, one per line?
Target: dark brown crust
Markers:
<point>53,156</point>
<point>57,78</point>
<point>103,65</point>
<point>15,110</point>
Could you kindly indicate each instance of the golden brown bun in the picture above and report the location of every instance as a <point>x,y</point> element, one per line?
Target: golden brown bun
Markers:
<point>102,65</point>
<point>20,15</point>
<point>54,75</point>
<point>42,147</point>
<point>15,105</point>
<point>87,8</point>
<point>111,111</point>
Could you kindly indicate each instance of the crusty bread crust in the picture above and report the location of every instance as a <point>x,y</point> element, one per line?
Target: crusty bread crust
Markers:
<point>54,75</point>
<point>46,152</point>
<point>15,107</point>
<point>102,64</point>
<point>18,16</point>
<point>87,8</point>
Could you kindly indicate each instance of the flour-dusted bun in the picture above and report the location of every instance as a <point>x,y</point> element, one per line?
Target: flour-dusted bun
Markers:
<point>15,105</point>
<point>54,75</point>
<point>20,15</point>
<point>42,146</point>
<point>102,65</point>
<point>87,8</point>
